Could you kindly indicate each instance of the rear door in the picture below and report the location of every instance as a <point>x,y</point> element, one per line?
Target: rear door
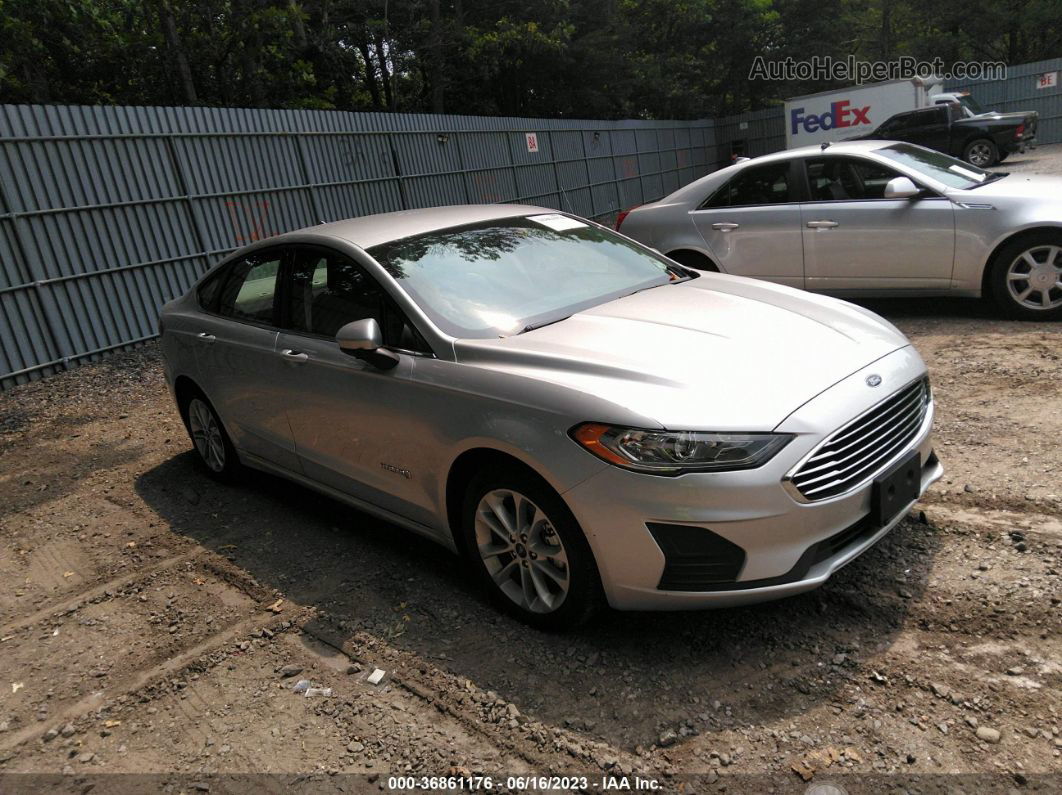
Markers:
<point>752,224</point>
<point>235,344</point>
<point>856,239</point>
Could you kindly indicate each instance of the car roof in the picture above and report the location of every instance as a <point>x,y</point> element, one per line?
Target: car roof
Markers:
<point>372,230</point>
<point>841,147</point>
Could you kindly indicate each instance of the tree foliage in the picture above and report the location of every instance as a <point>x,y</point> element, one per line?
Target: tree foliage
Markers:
<point>576,58</point>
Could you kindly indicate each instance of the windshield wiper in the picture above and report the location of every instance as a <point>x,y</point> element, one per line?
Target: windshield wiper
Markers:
<point>533,326</point>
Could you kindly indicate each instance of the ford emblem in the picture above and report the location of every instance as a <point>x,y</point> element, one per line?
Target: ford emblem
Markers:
<point>874,380</point>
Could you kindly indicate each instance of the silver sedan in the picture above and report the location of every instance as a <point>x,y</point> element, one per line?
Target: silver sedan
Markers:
<point>870,218</point>
<point>584,420</point>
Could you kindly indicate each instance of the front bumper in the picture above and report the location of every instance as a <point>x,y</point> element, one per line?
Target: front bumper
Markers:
<point>789,546</point>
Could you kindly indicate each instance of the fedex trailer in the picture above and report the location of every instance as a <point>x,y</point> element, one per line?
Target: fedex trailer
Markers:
<point>840,114</point>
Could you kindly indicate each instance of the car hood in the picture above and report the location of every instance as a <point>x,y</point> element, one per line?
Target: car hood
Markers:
<point>1029,186</point>
<point>714,353</point>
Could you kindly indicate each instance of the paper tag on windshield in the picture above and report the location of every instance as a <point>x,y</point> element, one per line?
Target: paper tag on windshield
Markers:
<point>557,222</point>
<point>966,173</point>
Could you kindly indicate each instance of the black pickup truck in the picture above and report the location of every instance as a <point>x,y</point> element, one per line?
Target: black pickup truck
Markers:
<point>983,140</point>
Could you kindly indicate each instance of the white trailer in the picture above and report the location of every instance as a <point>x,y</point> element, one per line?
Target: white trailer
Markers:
<point>840,114</point>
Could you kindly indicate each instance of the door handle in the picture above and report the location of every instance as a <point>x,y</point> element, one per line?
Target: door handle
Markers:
<point>203,336</point>
<point>822,224</point>
<point>294,356</point>
<point>725,226</point>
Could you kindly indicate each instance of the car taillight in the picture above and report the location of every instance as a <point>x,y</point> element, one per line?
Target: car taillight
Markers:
<point>621,216</point>
<point>1018,132</point>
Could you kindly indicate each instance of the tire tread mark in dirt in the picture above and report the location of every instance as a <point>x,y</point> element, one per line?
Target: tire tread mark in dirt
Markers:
<point>140,680</point>
<point>438,698</point>
<point>77,600</point>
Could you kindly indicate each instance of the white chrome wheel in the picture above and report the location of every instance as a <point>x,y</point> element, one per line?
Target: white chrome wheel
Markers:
<point>206,434</point>
<point>1034,278</point>
<point>522,551</point>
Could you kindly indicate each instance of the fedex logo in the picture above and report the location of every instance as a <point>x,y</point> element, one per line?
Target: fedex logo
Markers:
<point>840,114</point>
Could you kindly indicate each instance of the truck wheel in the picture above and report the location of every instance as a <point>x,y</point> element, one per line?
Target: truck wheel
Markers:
<point>1026,277</point>
<point>981,153</point>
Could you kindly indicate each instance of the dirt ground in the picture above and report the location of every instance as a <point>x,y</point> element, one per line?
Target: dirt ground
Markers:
<point>149,617</point>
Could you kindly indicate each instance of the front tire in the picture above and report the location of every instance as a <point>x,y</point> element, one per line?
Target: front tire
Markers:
<point>982,153</point>
<point>527,550</point>
<point>214,451</point>
<point>1026,277</point>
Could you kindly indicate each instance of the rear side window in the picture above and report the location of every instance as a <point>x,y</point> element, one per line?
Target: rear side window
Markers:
<point>767,184</point>
<point>208,291</point>
<point>250,289</point>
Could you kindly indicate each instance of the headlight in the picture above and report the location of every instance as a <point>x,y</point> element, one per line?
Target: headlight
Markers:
<point>676,452</point>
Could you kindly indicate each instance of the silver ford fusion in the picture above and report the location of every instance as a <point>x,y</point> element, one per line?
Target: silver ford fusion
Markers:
<point>870,218</point>
<point>584,420</point>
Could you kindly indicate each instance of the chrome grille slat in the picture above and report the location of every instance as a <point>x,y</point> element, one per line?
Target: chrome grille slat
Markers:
<point>897,426</point>
<point>868,427</point>
<point>867,467</point>
<point>857,450</point>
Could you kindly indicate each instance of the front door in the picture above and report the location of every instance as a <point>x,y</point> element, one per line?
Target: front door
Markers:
<point>353,425</point>
<point>856,239</point>
<point>752,224</point>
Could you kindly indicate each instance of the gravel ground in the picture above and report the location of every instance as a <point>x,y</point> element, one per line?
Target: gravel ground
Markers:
<point>1041,160</point>
<point>150,618</point>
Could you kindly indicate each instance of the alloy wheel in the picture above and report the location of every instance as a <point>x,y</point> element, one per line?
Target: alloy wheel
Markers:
<point>980,154</point>
<point>522,551</point>
<point>206,434</point>
<point>1034,278</point>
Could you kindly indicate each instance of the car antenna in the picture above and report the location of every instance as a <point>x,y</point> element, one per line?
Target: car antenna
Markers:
<point>825,146</point>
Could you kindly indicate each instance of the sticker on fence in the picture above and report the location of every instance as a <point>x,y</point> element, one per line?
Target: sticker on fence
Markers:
<point>1047,80</point>
<point>532,142</point>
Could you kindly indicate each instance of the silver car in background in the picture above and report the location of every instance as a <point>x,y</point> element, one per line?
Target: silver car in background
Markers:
<point>870,218</point>
<point>584,420</point>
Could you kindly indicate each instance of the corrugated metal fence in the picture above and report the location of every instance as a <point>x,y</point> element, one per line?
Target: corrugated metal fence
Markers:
<point>108,212</point>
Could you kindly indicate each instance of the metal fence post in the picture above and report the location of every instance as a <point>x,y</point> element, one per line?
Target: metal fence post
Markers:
<point>304,169</point>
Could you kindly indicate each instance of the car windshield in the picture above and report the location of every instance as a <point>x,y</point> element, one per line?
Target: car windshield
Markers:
<point>953,173</point>
<point>504,276</point>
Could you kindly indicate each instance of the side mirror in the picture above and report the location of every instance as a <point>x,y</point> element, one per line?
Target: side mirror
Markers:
<point>364,340</point>
<point>901,188</point>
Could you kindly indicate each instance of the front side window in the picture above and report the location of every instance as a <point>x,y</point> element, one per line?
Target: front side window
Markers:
<point>497,278</point>
<point>249,288</point>
<point>328,290</point>
<point>847,179</point>
<point>766,184</point>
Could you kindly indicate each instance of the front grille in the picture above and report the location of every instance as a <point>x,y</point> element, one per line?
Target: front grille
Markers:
<point>860,449</point>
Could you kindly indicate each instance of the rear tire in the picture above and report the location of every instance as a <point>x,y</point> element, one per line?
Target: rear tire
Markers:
<point>214,452</point>
<point>1026,277</point>
<point>981,152</point>
<point>527,550</point>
